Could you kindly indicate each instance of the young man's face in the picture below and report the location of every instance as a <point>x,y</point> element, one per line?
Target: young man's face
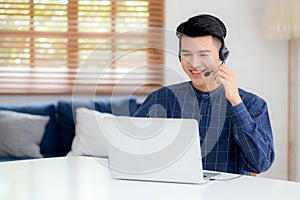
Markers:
<point>200,55</point>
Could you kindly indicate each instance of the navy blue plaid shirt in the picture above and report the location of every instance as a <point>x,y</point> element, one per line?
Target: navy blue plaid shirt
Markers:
<point>233,139</point>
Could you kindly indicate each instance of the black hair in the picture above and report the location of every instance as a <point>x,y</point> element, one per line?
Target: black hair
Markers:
<point>203,25</point>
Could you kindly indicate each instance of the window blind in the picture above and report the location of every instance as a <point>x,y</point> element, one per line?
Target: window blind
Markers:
<point>101,46</point>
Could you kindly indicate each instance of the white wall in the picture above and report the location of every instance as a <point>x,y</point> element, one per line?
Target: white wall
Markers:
<point>260,64</point>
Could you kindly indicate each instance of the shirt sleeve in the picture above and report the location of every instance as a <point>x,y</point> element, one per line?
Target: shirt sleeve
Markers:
<point>155,105</point>
<point>143,110</point>
<point>161,103</point>
<point>253,133</point>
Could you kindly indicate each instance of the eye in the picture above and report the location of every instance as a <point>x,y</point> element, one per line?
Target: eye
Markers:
<point>186,54</point>
<point>203,54</point>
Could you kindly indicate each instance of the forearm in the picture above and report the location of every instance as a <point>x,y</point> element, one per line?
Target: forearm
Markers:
<point>253,134</point>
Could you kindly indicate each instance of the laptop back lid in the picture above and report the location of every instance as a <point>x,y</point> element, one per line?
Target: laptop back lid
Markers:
<point>154,149</point>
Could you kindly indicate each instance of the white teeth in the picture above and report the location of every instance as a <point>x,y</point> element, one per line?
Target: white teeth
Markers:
<point>196,72</point>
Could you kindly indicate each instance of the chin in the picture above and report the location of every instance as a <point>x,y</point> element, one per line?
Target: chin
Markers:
<point>198,83</point>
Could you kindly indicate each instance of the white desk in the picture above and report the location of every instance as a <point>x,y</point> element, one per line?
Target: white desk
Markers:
<point>88,178</point>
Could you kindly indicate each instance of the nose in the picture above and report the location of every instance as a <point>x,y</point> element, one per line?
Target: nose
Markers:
<point>195,61</point>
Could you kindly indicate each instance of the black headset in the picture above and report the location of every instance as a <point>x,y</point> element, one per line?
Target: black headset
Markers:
<point>224,51</point>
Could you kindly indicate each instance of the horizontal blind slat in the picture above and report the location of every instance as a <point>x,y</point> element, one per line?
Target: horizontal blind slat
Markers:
<point>65,36</point>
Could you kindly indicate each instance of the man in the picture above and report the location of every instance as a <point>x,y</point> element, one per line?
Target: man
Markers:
<point>234,125</point>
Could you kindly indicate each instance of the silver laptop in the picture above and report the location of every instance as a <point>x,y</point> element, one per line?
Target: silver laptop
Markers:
<point>155,149</point>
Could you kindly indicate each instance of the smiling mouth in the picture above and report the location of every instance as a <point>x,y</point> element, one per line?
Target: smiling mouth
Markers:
<point>197,72</point>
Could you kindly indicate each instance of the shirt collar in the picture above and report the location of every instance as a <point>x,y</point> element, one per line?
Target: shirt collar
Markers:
<point>207,95</point>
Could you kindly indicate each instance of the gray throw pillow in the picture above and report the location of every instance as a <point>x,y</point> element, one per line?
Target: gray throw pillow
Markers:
<point>21,134</point>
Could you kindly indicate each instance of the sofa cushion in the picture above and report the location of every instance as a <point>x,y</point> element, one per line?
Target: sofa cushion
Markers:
<point>89,137</point>
<point>13,159</point>
<point>49,141</point>
<point>66,110</point>
<point>21,134</point>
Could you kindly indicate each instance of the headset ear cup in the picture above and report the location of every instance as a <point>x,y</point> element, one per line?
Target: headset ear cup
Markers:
<point>224,53</point>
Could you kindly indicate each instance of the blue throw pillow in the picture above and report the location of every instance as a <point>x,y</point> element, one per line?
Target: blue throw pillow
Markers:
<point>66,109</point>
<point>49,141</point>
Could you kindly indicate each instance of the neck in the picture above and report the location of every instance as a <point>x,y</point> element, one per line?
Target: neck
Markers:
<point>207,87</point>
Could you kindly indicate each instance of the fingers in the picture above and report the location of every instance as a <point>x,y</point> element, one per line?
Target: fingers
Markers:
<point>219,73</point>
<point>225,72</point>
<point>227,77</point>
<point>216,76</point>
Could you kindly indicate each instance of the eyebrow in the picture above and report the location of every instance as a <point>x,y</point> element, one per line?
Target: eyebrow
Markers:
<point>200,51</point>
